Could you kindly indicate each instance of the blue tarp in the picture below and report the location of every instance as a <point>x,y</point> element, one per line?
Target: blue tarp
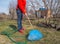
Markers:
<point>35,35</point>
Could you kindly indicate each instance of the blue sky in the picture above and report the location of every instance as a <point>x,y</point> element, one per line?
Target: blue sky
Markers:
<point>4,5</point>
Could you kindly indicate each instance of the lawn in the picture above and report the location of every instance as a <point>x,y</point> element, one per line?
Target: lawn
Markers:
<point>51,36</point>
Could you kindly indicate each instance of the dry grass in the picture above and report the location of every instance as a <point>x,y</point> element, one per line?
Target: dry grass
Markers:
<point>51,36</point>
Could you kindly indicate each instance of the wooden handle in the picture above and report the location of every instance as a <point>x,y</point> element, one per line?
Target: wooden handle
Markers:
<point>29,20</point>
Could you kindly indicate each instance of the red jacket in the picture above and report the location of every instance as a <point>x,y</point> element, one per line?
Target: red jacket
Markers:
<point>22,5</point>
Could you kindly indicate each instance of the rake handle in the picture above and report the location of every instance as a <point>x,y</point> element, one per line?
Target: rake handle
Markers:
<point>29,20</point>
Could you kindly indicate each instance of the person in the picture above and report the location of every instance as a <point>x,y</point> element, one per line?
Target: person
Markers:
<point>20,10</point>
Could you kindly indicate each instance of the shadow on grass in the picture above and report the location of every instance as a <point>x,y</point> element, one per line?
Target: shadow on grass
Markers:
<point>13,27</point>
<point>42,25</point>
<point>10,30</point>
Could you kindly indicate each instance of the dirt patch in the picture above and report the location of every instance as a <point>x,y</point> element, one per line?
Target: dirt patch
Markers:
<point>4,40</point>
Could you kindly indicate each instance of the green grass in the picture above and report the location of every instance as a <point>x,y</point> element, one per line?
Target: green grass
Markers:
<point>51,36</point>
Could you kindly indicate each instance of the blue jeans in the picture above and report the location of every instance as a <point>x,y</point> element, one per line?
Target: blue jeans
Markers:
<point>19,18</point>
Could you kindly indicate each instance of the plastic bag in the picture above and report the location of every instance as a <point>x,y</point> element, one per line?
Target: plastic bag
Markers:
<point>35,35</point>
